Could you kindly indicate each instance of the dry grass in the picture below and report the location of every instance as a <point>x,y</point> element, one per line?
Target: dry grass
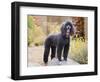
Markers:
<point>78,51</point>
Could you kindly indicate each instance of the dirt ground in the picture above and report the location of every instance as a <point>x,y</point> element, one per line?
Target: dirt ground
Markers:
<point>35,57</point>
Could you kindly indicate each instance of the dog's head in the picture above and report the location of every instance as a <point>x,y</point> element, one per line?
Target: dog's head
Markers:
<point>67,29</point>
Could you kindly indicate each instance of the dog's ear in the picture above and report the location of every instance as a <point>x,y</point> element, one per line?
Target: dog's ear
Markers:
<point>62,28</point>
<point>72,30</point>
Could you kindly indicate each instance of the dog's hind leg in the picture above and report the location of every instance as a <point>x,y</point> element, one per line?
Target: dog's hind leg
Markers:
<point>46,54</point>
<point>53,51</point>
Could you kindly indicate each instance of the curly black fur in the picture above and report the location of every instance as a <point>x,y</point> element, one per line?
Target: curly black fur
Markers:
<point>59,43</point>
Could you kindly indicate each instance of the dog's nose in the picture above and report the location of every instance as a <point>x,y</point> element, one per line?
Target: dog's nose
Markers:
<point>68,31</point>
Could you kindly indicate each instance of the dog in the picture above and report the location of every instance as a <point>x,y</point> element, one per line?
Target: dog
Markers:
<point>59,43</point>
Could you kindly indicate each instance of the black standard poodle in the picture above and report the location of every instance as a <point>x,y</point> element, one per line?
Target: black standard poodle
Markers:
<point>59,43</point>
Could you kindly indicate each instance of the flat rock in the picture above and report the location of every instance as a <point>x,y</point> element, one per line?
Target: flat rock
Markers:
<point>55,61</point>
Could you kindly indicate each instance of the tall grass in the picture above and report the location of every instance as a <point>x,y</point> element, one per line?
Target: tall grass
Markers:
<point>78,51</point>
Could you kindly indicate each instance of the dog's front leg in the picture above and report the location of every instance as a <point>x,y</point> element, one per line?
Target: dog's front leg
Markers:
<point>59,51</point>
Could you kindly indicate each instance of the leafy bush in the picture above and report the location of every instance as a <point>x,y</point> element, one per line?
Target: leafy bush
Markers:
<point>38,36</point>
<point>35,33</point>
